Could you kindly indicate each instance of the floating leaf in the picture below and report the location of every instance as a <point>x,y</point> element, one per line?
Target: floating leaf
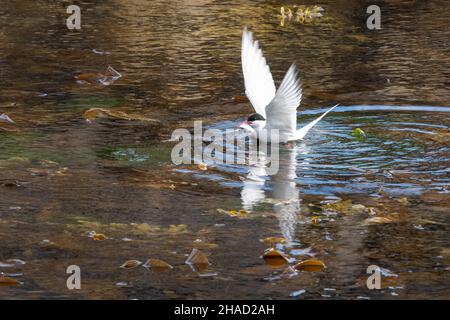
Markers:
<point>198,260</point>
<point>157,265</point>
<point>310,266</point>
<point>99,78</point>
<point>240,99</point>
<point>130,264</point>
<point>376,220</point>
<point>359,134</point>
<point>11,263</point>
<point>143,228</point>
<point>274,258</point>
<point>315,220</point>
<point>404,201</point>
<point>358,209</point>
<point>99,237</point>
<point>10,183</point>
<point>274,240</point>
<point>7,281</point>
<point>242,213</point>
<point>339,206</point>
<point>233,213</point>
<point>428,221</point>
<point>358,37</point>
<point>222,211</point>
<point>87,76</point>
<point>95,113</point>
<point>202,166</point>
<point>179,228</point>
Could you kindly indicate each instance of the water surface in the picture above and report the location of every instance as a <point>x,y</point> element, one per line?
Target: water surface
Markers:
<point>62,177</point>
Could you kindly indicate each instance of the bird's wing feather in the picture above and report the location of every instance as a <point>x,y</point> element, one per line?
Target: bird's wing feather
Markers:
<point>282,110</point>
<point>301,133</point>
<point>259,86</point>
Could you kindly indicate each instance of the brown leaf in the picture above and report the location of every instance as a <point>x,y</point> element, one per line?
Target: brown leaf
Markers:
<point>274,258</point>
<point>242,213</point>
<point>7,281</point>
<point>130,264</point>
<point>310,266</point>
<point>95,113</point>
<point>88,76</point>
<point>10,183</point>
<point>240,99</point>
<point>157,265</point>
<point>198,259</point>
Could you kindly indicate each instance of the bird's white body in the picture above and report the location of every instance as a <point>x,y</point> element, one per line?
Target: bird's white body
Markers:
<point>277,107</point>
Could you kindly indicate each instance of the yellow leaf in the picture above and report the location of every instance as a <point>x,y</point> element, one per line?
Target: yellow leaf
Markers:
<point>145,228</point>
<point>404,201</point>
<point>340,206</point>
<point>310,266</point>
<point>7,281</point>
<point>232,213</point>
<point>242,213</point>
<point>202,166</point>
<point>99,237</point>
<point>180,228</point>
<point>130,264</point>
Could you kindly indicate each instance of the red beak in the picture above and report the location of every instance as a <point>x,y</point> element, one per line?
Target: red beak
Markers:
<point>246,122</point>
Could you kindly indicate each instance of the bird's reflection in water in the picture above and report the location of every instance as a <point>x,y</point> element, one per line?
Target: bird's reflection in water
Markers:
<point>279,188</point>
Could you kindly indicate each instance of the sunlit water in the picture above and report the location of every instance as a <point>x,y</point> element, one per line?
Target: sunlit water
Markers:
<point>62,177</point>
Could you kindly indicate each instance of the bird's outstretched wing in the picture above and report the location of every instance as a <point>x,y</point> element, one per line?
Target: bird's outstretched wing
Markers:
<point>282,110</point>
<point>259,86</point>
<point>304,130</point>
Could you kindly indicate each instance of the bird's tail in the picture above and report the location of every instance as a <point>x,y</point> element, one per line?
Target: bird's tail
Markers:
<point>301,133</point>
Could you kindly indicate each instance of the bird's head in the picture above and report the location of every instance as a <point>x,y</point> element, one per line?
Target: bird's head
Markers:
<point>254,122</point>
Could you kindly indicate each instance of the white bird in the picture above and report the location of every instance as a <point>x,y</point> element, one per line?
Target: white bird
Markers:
<point>275,109</point>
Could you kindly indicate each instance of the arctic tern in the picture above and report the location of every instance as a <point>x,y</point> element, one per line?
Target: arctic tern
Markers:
<point>274,109</point>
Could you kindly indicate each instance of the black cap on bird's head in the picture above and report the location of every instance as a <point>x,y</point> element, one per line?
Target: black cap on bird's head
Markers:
<point>251,120</point>
<point>255,117</point>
